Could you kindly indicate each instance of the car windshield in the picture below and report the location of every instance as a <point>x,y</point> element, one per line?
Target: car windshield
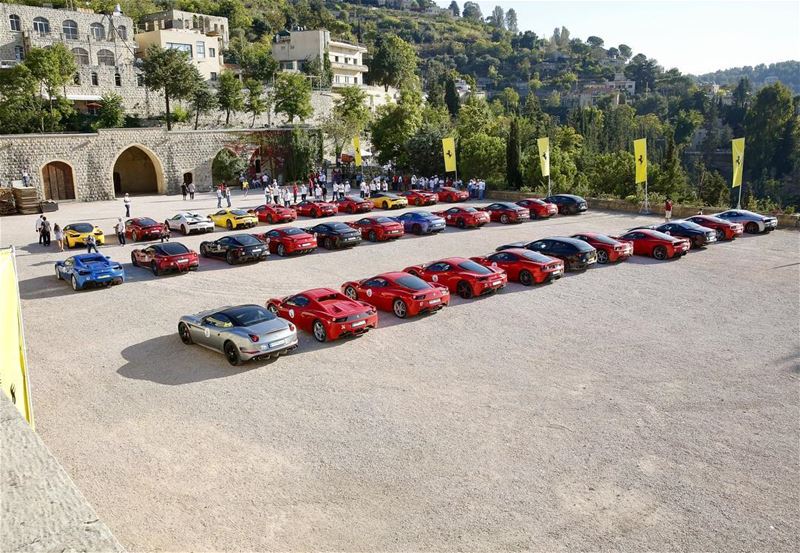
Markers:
<point>536,256</point>
<point>147,221</point>
<point>171,248</point>
<point>383,220</point>
<point>249,315</point>
<point>474,267</point>
<point>290,231</point>
<point>470,209</point>
<point>247,240</point>
<point>693,226</point>
<point>412,282</point>
<point>340,227</point>
<point>658,234</point>
<point>194,216</point>
<point>82,227</point>
<point>238,212</point>
<point>602,238</point>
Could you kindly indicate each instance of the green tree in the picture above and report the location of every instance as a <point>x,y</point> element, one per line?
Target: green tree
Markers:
<point>21,107</point>
<point>293,96</point>
<point>424,149</point>
<point>483,156</point>
<point>686,123</point>
<point>53,68</point>
<point>171,72</point>
<point>257,62</point>
<point>498,18</point>
<point>255,103</point>
<point>238,15</point>
<point>454,9</point>
<point>112,112</point>
<point>348,118</point>
<point>227,166</point>
<point>395,124</point>
<point>451,98</point>
<point>394,63</point>
<point>472,11</point>
<point>510,100</point>
<point>770,115</point>
<point>511,21</point>
<point>230,94</point>
<point>203,100</point>
<point>513,156</point>
<point>625,51</point>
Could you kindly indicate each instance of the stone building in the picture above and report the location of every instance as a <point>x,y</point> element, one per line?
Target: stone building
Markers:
<point>293,49</point>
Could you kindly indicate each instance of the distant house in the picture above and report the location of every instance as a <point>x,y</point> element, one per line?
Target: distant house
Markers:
<point>293,49</point>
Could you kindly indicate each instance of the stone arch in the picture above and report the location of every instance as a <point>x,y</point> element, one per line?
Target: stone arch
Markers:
<point>138,170</point>
<point>58,180</point>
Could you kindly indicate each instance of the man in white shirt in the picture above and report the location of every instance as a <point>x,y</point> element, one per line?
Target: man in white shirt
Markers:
<point>481,188</point>
<point>39,223</point>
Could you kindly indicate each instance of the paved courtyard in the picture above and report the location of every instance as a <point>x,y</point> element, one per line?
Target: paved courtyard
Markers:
<point>647,405</point>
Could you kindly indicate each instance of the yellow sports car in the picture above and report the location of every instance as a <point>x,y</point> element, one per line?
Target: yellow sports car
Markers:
<point>386,200</point>
<point>76,233</point>
<point>234,218</point>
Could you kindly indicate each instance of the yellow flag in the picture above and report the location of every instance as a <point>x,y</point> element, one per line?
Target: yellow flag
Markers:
<point>737,147</point>
<point>357,149</point>
<point>13,370</point>
<point>544,155</point>
<point>449,152</point>
<point>640,152</point>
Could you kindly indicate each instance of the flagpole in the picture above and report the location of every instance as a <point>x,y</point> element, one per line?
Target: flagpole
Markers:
<point>549,188</point>
<point>739,202</point>
<point>646,203</point>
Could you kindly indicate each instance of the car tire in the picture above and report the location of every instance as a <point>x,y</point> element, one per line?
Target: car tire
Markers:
<point>399,308</point>
<point>462,224</point>
<point>314,213</point>
<point>154,268</point>
<point>602,256</point>
<point>229,258</point>
<point>269,219</point>
<point>385,205</point>
<point>351,293</point>
<point>329,245</point>
<point>504,219</point>
<point>74,282</point>
<point>58,273</point>
<point>133,260</point>
<point>418,202</point>
<point>660,253</point>
<point>134,236</point>
<point>525,278</point>
<point>464,290</point>
<point>416,229</point>
<point>229,224</point>
<point>185,334</point>
<point>281,250</point>
<point>751,228</point>
<point>203,250</point>
<point>318,331</point>
<point>372,237</point>
<point>232,353</point>
<point>272,309</point>
<point>720,234</point>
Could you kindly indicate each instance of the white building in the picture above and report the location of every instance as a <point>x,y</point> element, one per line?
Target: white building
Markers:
<point>293,49</point>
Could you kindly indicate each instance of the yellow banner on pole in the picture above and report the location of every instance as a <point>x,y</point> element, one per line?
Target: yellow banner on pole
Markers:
<point>13,369</point>
<point>544,155</point>
<point>449,152</point>
<point>357,150</point>
<point>640,153</point>
<point>737,148</point>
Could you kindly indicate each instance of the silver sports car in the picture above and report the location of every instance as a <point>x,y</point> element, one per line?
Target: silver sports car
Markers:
<point>242,333</point>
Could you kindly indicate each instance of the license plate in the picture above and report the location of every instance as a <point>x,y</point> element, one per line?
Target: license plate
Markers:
<point>257,250</point>
<point>359,323</point>
<point>497,283</point>
<point>351,238</point>
<point>557,272</point>
<point>305,244</point>
<point>434,302</point>
<point>104,276</point>
<point>394,232</point>
<point>183,261</point>
<point>275,343</point>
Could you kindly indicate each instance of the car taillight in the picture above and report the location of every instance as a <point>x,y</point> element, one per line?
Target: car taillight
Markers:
<point>340,320</point>
<point>418,298</point>
<point>254,337</point>
<point>291,327</point>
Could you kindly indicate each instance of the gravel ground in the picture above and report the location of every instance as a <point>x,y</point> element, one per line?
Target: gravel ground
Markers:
<point>642,406</point>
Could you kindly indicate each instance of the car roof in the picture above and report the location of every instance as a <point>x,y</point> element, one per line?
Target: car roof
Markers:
<point>451,260</point>
<point>316,293</point>
<point>569,240</point>
<point>87,257</point>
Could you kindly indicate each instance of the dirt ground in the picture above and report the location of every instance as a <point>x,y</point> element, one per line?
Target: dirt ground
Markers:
<point>640,406</point>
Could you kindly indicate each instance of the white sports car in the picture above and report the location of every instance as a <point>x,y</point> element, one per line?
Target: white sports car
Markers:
<point>753,222</point>
<point>188,222</point>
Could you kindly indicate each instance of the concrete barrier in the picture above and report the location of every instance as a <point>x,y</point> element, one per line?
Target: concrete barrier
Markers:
<point>610,204</point>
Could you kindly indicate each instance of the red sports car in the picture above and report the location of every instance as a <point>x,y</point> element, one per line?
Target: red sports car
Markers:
<point>143,228</point>
<point>288,240</point>
<point>538,209</point>
<point>464,217</point>
<point>462,276</point>
<point>326,313</point>
<point>420,197</point>
<point>726,230</point>
<point>313,208</point>
<point>506,212</point>
<point>656,244</point>
<point>524,266</point>
<point>270,213</point>
<point>403,294</point>
<point>378,229</point>
<point>608,249</point>
<point>166,257</point>
<point>450,194</point>
<point>353,205</point>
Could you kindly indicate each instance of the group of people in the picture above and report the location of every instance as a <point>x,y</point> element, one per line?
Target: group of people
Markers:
<point>188,190</point>
<point>45,230</point>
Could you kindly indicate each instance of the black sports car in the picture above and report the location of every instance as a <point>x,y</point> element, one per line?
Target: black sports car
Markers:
<point>576,254</point>
<point>236,248</point>
<point>697,235</point>
<point>568,204</point>
<point>335,235</point>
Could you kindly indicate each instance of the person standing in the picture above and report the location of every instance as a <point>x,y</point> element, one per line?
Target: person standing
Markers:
<point>192,190</point>
<point>318,192</point>
<point>667,209</point>
<point>324,191</point>
<point>91,244</point>
<point>127,201</point>
<point>184,190</point>
<point>295,191</point>
<point>39,222</point>
<point>346,189</point>
<point>59,237</point>
<point>276,193</point>
<point>119,228</point>
<point>45,232</point>
<point>219,197</point>
<point>303,192</point>
<point>165,234</point>
<point>228,196</point>
<point>267,197</point>
<point>245,188</point>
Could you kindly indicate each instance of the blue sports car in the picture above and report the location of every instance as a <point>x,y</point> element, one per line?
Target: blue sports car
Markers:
<point>420,222</point>
<point>89,269</point>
